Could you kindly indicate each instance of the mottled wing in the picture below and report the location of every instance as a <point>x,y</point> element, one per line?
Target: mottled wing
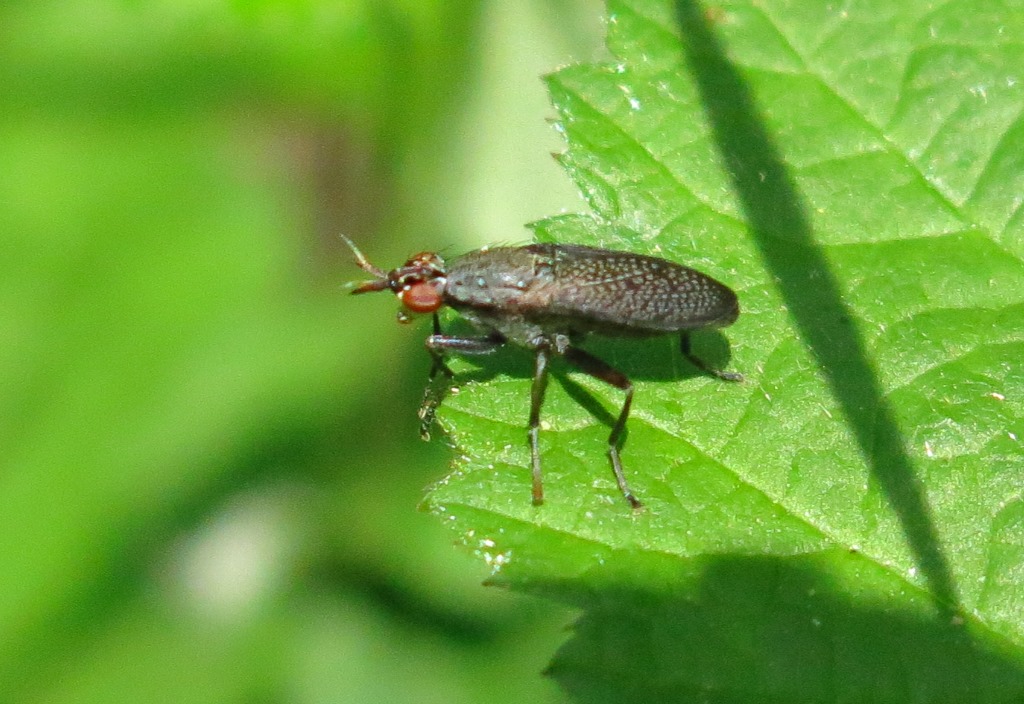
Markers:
<point>626,292</point>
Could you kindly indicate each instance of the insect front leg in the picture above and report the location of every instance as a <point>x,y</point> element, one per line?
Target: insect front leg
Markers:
<point>598,369</point>
<point>684,347</point>
<point>436,354</point>
<point>438,345</point>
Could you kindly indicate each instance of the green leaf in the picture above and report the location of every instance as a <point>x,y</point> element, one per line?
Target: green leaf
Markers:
<point>847,525</point>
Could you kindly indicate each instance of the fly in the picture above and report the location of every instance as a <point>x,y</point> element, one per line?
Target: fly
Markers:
<point>547,298</point>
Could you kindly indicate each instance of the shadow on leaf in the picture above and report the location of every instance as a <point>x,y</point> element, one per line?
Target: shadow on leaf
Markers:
<point>746,629</point>
<point>782,231</point>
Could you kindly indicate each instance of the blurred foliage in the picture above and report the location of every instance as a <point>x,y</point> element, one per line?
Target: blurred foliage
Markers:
<point>209,462</point>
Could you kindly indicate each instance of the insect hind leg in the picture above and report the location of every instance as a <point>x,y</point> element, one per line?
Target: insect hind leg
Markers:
<point>599,369</point>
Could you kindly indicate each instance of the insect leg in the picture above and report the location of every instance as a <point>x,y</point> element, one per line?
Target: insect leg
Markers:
<point>684,346</point>
<point>437,355</point>
<point>540,383</point>
<point>598,369</point>
<point>432,397</point>
<point>438,345</point>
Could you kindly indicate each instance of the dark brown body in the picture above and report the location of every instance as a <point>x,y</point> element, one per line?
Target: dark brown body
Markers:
<point>547,298</point>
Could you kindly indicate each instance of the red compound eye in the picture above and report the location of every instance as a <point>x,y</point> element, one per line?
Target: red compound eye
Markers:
<point>421,297</point>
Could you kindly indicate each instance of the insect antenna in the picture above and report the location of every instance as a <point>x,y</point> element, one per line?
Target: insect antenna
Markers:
<point>381,281</point>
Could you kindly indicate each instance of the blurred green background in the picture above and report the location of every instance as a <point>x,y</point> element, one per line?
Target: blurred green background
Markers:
<point>209,459</point>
